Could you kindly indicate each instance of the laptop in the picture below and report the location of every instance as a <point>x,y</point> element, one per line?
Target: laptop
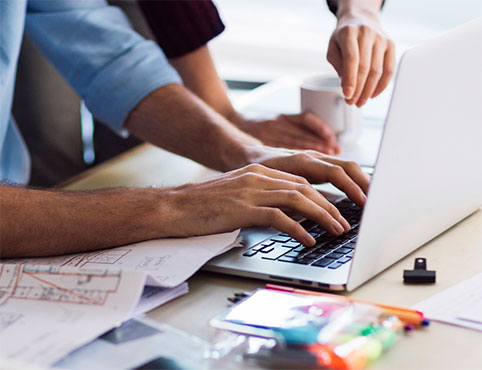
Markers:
<point>427,177</point>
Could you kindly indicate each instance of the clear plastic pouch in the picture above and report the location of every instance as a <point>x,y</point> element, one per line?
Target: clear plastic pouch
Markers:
<point>280,330</point>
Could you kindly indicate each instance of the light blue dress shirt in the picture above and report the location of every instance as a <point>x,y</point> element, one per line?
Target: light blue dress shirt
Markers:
<point>92,44</point>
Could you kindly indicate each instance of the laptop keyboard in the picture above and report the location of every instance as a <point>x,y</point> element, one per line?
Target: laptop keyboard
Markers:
<point>328,252</point>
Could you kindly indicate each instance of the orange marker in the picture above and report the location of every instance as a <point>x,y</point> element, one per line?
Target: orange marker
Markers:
<point>406,315</point>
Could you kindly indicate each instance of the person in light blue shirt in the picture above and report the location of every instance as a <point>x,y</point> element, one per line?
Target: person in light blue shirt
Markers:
<point>92,45</point>
<point>127,83</point>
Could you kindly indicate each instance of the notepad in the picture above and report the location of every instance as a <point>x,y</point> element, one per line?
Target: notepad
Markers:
<point>459,305</point>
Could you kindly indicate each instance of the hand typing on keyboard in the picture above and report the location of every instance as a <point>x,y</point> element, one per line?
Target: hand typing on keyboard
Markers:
<point>253,195</point>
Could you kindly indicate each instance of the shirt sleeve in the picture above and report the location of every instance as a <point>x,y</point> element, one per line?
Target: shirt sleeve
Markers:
<point>333,6</point>
<point>108,64</point>
<point>181,27</point>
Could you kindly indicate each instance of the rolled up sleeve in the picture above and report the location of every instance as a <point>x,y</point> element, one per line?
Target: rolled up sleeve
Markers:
<point>93,46</point>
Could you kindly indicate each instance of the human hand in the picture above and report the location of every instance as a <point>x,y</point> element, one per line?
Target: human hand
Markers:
<point>317,168</point>
<point>362,55</point>
<point>297,131</point>
<point>252,195</point>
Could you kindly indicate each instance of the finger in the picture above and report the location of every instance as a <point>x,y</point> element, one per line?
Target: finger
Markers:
<point>306,190</point>
<point>261,177</point>
<point>295,143</point>
<point>350,55</point>
<point>338,177</point>
<point>300,134</point>
<point>267,216</point>
<point>318,126</point>
<point>257,174</point>
<point>333,56</point>
<point>316,168</point>
<point>388,69</point>
<point>374,74</point>
<point>365,44</point>
<point>353,170</point>
<point>301,205</point>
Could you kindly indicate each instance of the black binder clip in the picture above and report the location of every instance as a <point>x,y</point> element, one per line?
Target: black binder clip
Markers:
<point>419,274</point>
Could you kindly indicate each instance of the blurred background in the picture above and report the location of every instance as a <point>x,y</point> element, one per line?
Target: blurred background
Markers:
<point>265,39</point>
<point>268,39</point>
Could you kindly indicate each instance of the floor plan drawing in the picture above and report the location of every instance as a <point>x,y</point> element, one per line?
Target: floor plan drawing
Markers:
<point>44,283</point>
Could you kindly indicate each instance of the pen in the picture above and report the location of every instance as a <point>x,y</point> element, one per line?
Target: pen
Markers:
<point>408,316</point>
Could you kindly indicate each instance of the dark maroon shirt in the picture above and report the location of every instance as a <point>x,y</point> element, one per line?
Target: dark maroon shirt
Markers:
<point>182,26</point>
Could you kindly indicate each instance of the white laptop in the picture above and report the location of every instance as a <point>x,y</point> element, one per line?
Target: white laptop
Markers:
<point>428,177</point>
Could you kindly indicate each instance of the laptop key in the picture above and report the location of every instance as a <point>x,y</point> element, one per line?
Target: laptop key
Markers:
<point>323,238</point>
<point>350,245</point>
<point>266,249</point>
<point>304,261</point>
<point>281,239</point>
<point>291,244</point>
<point>344,250</point>
<point>335,265</point>
<point>323,262</point>
<point>313,255</point>
<point>318,230</point>
<point>334,255</point>
<point>294,254</point>
<point>263,245</point>
<point>344,260</point>
<point>308,224</point>
<point>287,259</point>
<point>250,253</point>
<point>275,253</point>
<point>301,248</point>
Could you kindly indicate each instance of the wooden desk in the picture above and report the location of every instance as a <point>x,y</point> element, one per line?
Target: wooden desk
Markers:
<point>456,255</point>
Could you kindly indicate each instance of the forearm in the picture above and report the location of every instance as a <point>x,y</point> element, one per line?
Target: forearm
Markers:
<point>199,75</point>
<point>41,223</point>
<point>175,119</point>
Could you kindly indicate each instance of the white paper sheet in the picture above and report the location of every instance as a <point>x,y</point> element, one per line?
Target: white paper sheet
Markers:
<point>459,305</point>
<point>46,312</point>
<point>153,297</point>
<point>51,306</point>
<point>168,262</point>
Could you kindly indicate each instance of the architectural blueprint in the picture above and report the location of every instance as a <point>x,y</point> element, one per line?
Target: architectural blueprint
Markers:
<point>51,306</point>
<point>167,262</point>
<point>46,312</point>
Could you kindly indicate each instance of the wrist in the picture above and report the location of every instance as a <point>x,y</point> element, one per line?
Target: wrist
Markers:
<point>356,9</point>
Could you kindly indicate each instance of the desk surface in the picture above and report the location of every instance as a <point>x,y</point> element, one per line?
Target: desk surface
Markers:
<point>455,254</point>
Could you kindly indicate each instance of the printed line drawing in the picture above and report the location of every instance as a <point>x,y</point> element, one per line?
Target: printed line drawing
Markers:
<point>152,263</point>
<point>47,283</point>
<point>106,257</point>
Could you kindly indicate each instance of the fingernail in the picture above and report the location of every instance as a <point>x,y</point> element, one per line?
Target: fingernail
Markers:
<point>349,92</point>
<point>361,102</point>
<point>345,224</point>
<point>309,240</point>
<point>338,228</point>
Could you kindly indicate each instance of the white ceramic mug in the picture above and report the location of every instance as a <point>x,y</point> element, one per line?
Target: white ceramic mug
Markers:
<point>323,96</point>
